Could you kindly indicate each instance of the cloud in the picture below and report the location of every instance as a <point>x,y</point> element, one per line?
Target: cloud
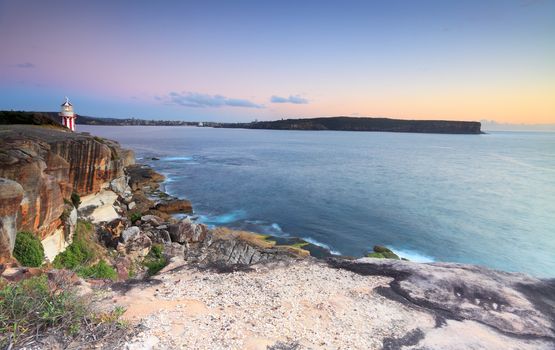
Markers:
<point>196,100</point>
<point>25,65</point>
<point>298,100</point>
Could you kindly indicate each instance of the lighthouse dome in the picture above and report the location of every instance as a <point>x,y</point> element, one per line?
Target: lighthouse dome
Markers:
<point>67,109</point>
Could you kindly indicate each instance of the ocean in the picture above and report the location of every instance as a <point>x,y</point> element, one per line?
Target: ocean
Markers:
<point>481,199</point>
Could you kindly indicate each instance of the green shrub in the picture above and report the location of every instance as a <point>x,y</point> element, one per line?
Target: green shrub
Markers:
<point>37,307</point>
<point>28,249</point>
<point>99,270</point>
<point>75,255</point>
<point>75,199</point>
<point>381,252</point>
<point>155,260</point>
<point>30,307</point>
<point>80,251</point>
<point>135,216</point>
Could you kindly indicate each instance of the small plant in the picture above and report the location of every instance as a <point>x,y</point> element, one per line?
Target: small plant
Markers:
<point>99,270</point>
<point>80,252</point>
<point>381,252</point>
<point>135,216</point>
<point>38,307</point>
<point>155,260</point>
<point>31,307</point>
<point>75,199</point>
<point>28,250</point>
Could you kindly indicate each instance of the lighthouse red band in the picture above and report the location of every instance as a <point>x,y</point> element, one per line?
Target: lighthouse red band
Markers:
<point>67,115</point>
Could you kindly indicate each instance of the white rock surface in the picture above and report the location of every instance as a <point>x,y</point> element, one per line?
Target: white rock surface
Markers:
<point>102,206</point>
<point>54,244</point>
<point>304,305</point>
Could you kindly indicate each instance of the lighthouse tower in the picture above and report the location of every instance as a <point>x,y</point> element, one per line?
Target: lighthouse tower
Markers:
<point>67,115</point>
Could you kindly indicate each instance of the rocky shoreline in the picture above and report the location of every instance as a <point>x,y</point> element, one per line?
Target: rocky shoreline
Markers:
<point>185,285</point>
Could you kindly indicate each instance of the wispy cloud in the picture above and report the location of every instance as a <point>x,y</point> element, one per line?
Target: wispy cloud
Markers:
<point>296,99</point>
<point>196,100</point>
<point>25,65</point>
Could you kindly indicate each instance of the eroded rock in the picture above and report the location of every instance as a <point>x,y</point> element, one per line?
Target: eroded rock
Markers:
<point>512,303</point>
<point>11,194</point>
<point>186,231</point>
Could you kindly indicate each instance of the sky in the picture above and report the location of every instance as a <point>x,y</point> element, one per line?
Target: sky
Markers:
<point>244,60</point>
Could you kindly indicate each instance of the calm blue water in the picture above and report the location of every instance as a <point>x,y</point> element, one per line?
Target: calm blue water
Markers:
<point>481,199</point>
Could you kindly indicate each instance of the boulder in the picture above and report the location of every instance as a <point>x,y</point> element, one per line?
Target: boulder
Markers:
<point>141,176</point>
<point>174,249</point>
<point>138,246</point>
<point>152,219</point>
<point>119,185</point>
<point>175,206</point>
<point>130,233</point>
<point>110,232</point>
<point>185,231</point>
<point>123,266</point>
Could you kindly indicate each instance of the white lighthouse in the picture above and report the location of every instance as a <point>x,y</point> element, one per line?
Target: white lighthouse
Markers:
<point>67,115</point>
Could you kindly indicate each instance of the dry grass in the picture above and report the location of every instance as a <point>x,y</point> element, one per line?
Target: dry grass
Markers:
<point>259,240</point>
<point>255,239</point>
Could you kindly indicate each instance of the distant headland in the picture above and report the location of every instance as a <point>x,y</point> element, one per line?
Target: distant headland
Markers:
<point>365,124</point>
<point>323,123</point>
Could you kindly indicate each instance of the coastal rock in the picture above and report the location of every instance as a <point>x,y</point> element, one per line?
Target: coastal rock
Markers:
<point>11,194</point>
<point>119,185</point>
<point>138,246</point>
<point>99,207</point>
<point>174,249</point>
<point>227,249</point>
<point>152,219</point>
<point>130,233</point>
<point>110,232</point>
<point>185,231</point>
<point>143,176</point>
<point>54,244</point>
<point>511,303</point>
<point>175,206</point>
<point>50,164</point>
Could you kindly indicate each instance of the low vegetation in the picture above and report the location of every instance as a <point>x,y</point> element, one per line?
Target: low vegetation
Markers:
<point>381,252</point>
<point>38,307</point>
<point>28,249</point>
<point>135,216</point>
<point>75,199</point>
<point>82,253</point>
<point>30,307</point>
<point>155,260</point>
<point>98,270</point>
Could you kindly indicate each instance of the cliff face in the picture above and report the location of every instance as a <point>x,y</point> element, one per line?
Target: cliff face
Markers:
<point>11,194</point>
<point>366,124</point>
<point>50,164</point>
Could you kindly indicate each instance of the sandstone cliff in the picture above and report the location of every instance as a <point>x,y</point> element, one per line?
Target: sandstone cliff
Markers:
<point>50,164</point>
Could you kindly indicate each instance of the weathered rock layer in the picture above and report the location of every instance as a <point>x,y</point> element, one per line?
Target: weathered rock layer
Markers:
<point>50,164</point>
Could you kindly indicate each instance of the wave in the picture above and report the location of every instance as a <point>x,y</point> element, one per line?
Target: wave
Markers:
<point>323,245</point>
<point>226,218</point>
<point>174,159</point>
<point>412,255</point>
